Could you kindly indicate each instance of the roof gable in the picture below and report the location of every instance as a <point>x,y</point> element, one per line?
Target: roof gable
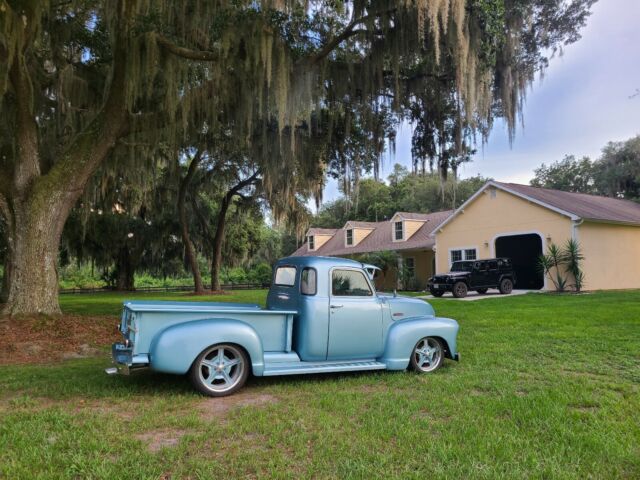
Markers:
<point>576,206</point>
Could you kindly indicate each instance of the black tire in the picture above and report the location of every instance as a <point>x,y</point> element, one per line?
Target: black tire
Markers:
<point>436,293</point>
<point>506,286</point>
<point>459,290</point>
<point>481,291</point>
<point>236,374</point>
<point>422,363</point>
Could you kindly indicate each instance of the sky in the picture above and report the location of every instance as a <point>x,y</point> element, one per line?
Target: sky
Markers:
<point>582,103</point>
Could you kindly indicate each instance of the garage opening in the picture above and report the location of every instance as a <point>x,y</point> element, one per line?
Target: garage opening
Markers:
<point>523,250</point>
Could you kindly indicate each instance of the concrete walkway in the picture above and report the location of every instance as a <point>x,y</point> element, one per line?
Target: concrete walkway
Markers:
<point>472,296</point>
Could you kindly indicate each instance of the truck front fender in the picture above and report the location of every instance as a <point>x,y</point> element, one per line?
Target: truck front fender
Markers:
<point>403,335</point>
<point>174,349</point>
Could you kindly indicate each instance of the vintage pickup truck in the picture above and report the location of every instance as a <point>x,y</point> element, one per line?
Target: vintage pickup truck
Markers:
<point>322,315</point>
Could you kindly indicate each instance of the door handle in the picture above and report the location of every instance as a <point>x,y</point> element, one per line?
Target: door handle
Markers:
<point>337,306</point>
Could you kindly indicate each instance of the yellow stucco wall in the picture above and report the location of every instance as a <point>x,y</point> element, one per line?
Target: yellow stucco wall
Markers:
<point>488,217</point>
<point>611,255</point>
<point>411,227</point>
<point>359,234</point>
<point>320,240</point>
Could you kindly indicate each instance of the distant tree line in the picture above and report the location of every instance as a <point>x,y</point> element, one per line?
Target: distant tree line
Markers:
<point>404,191</point>
<point>616,173</point>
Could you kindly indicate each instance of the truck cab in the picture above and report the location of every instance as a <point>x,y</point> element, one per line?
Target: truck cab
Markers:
<point>322,315</point>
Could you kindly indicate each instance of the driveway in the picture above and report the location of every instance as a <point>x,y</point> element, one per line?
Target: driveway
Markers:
<point>472,296</point>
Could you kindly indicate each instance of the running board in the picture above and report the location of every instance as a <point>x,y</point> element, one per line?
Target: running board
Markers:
<point>298,368</point>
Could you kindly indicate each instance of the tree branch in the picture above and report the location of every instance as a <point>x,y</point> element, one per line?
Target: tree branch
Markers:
<point>347,33</point>
<point>198,55</point>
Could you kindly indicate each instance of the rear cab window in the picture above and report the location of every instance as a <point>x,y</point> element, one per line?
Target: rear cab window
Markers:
<point>285,276</point>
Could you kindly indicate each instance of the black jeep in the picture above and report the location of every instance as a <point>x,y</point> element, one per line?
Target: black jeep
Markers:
<point>478,275</point>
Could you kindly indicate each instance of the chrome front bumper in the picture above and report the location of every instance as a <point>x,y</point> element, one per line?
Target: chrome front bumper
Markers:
<point>125,361</point>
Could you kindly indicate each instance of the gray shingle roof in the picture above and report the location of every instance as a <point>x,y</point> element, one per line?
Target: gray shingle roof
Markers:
<point>588,207</point>
<point>380,239</point>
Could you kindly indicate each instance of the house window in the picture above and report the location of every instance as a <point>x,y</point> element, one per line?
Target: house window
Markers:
<point>463,254</point>
<point>410,267</point>
<point>312,243</point>
<point>349,237</point>
<point>398,231</point>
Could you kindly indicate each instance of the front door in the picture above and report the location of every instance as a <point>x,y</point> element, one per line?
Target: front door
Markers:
<point>355,317</point>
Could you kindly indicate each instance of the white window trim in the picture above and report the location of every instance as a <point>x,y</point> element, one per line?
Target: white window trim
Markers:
<point>353,239</point>
<point>462,249</point>
<point>414,264</point>
<point>393,230</point>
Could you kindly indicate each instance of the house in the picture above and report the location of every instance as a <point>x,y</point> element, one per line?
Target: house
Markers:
<point>408,234</point>
<point>520,221</point>
<point>500,220</point>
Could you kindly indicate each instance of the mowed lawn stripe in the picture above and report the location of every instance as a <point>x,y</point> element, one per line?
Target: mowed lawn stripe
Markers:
<point>548,387</point>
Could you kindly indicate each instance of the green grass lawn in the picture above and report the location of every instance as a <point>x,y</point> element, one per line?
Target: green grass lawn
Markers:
<point>548,387</point>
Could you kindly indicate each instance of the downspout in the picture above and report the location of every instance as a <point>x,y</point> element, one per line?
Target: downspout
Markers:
<point>574,229</point>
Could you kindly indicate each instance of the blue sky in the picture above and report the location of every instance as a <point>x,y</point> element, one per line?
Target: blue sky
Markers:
<point>581,103</point>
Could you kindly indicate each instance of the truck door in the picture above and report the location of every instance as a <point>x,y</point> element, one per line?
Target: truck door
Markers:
<point>355,316</point>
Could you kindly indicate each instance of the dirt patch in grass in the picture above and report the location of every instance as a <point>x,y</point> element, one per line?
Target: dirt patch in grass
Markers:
<point>43,339</point>
<point>156,440</point>
<point>217,408</point>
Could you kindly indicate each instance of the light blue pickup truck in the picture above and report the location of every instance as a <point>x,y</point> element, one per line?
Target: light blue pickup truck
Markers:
<point>322,315</point>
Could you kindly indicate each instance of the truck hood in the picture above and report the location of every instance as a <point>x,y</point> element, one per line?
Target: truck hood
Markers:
<point>405,307</point>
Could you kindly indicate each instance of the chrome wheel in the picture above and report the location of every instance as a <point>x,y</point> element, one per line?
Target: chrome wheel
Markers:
<point>221,368</point>
<point>428,355</point>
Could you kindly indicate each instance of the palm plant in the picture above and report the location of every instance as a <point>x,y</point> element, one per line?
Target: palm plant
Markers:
<point>557,262</point>
<point>572,258</point>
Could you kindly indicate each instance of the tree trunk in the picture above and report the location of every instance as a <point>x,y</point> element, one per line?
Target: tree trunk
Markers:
<point>125,271</point>
<point>4,288</point>
<point>189,250</point>
<point>32,264</point>
<point>216,261</point>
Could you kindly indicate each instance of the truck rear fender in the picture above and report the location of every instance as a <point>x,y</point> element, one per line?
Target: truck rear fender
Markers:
<point>174,349</point>
<point>404,334</point>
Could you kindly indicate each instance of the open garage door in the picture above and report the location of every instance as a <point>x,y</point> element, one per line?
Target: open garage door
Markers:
<point>523,250</point>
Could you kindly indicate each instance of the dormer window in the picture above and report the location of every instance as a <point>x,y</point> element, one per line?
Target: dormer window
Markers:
<point>398,231</point>
<point>311,242</point>
<point>349,237</point>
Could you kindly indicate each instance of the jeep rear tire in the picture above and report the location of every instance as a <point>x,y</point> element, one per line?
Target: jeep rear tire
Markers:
<point>459,289</point>
<point>506,286</point>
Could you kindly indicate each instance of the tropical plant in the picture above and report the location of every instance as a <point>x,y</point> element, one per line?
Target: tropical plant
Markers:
<point>572,258</point>
<point>558,262</point>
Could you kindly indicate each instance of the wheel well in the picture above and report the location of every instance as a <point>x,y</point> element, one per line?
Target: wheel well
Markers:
<point>237,345</point>
<point>447,352</point>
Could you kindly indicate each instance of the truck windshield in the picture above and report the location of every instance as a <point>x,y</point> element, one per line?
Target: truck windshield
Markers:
<point>461,266</point>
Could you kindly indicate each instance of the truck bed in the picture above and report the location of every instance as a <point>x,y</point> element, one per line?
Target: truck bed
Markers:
<point>142,320</point>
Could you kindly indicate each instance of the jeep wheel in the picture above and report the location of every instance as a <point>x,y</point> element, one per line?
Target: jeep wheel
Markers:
<point>481,291</point>
<point>459,290</point>
<point>436,293</point>
<point>220,370</point>
<point>428,355</point>
<point>506,286</point>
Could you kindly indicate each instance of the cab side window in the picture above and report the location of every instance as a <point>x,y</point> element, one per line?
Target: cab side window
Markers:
<point>349,283</point>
